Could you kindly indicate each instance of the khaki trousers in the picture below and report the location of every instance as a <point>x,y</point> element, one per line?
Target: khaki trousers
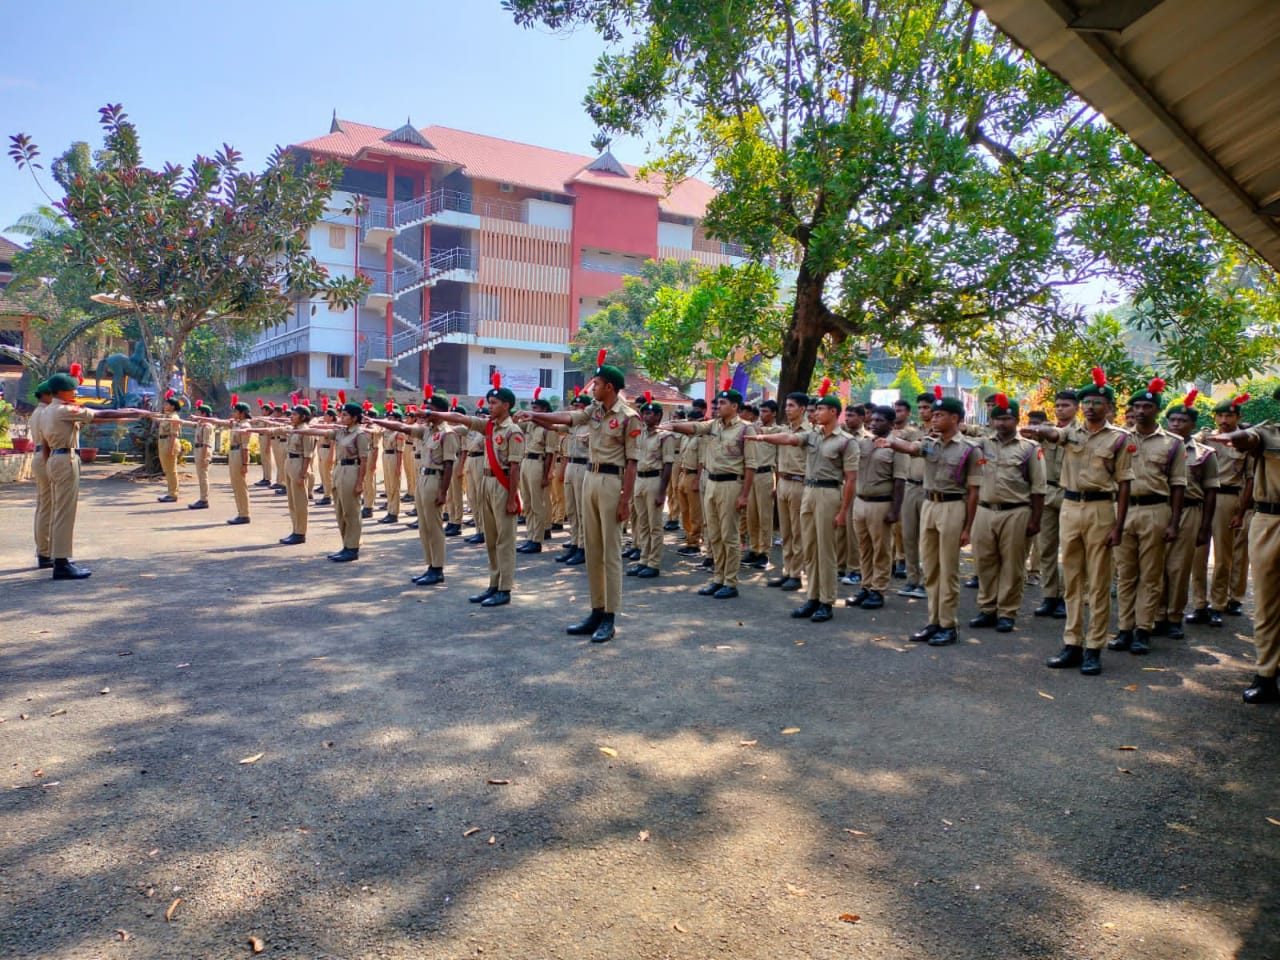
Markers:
<point>1140,566</point>
<point>295,485</point>
<point>430,519</point>
<point>1230,559</point>
<point>940,528</point>
<point>369,493</point>
<point>912,507</point>
<point>169,464</point>
<point>1050,521</point>
<point>647,534</point>
<point>278,451</point>
<point>391,482</point>
<point>1086,570</point>
<point>603,539</point>
<point>690,508</point>
<point>499,528</point>
<point>673,495</point>
<point>760,514</point>
<point>533,498</point>
<point>264,458</point>
<point>456,487</point>
<point>346,505</point>
<point>818,510</point>
<point>42,526</point>
<point>473,473</point>
<point>555,498</point>
<point>875,542</point>
<point>326,470</point>
<point>202,460</point>
<point>999,552</point>
<point>574,475</point>
<point>790,497</point>
<point>64,497</point>
<point>1178,559</point>
<point>722,529</point>
<point>239,482</point>
<point>848,550</point>
<point>1264,551</point>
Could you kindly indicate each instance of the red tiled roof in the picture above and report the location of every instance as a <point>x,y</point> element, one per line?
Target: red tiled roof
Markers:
<point>506,161</point>
<point>638,383</point>
<point>8,249</point>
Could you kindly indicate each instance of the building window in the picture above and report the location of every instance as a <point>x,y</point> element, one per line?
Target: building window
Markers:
<point>544,356</point>
<point>489,352</point>
<point>339,367</point>
<point>544,378</point>
<point>338,238</point>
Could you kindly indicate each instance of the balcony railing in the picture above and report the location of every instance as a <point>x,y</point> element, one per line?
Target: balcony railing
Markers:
<point>630,268</point>
<point>716,246</point>
<point>409,278</point>
<point>379,215</point>
<point>392,349</point>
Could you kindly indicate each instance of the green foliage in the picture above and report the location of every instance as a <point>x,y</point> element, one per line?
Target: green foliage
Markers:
<point>908,383</point>
<point>1263,403</point>
<point>273,385</point>
<point>1203,404</point>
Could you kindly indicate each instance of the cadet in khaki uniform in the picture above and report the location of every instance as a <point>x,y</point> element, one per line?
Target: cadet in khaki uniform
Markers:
<point>324,453</point>
<point>1095,498</point>
<point>369,488</point>
<point>831,475</point>
<point>473,471</point>
<point>951,478</point>
<point>535,477</point>
<point>353,458</point>
<point>59,440</point>
<point>275,444</point>
<point>40,472</point>
<point>238,459</point>
<point>607,492</point>
<point>1198,507</point>
<point>913,500</point>
<point>458,485</point>
<point>392,444</point>
<point>1010,504</point>
<point>1065,407</point>
<point>169,443</point>
<point>300,442</point>
<point>1230,526</point>
<point>848,550</point>
<point>1263,441</point>
<point>731,466</point>
<point>882,481</point>
<point>759,513</point>
<point>790,470</point>
<point>1159,464</point>
<point>265,411</point>
<point>656,454</point>
<point>202,453</point>
<point>577,458</point>
<point>688,469</point>
<point>497,503</point>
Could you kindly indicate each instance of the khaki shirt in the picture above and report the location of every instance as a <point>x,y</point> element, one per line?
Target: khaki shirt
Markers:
<point>202,446</point>
<point>791,459</point>
<point>535,439</point>
<point>949,466</point>
<point>1012,471</point>
<point>1159,462</point>
<point>828,457</point>
<point>1202,469</point>
<point>1266,479</point>
<point>475,439</point>
<point>168,426</point>
<point>911,433</point>
<point>613,432</point>
<point>655,449</point>
<point>1094,462</point>
<point>300,443</point>
<point>1234,467</point>
<point>60,425</point>
<point>351,443</point>
<point>690,450</point>
<point>508,441</point>
<point>878,468</point>
<point>392,442</point>
<point>767,453</point>
<point>724,450</point>
<point>436,445</point>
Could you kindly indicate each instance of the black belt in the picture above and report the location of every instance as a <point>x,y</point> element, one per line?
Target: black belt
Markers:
<point>582,460</point>
<point>39,447</point>
<point>533,456</point>
<point>692,473</point>
<point>1271,509</point>
<point>326,446</point>
<point>916,483</point>
<point>61,450</point>
<point>885,499</point>
<point>1148,500</point>
<point>723,477</point>
<point>824,484</point>
<point>646,474</point>
<point>795,477</point>
<point>1052,483</point>
<point>198,446</point>
<point>1002,506</point>
<point>760,470</point>
<point>296,456</point>
<point>1229,490</point>
<point>1088,496</point>
<point>234,446</point>
<point>417,456</point>
<point>349,463</point>
<point>934,497</point>
<point>1188,504</point>
<point>611,468</point>
<point>431,472</point>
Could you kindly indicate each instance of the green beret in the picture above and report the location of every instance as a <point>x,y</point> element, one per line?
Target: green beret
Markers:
<point>61,382</point>
<point>503,394</point>
<point>611,374</point>
<point>733,396</point>
<point>1181,410</point>
<point>582,400</point>
<point>541,404</point>
<point>949,405</point>
<point>1153,394</point>
<point>1011,408</point>
<point>175,401</point>
<point>1093,390</point>
<point>42,388</point>
<point>436,403</point>
<point>354,409</point>
<point>653,406</point>
<point>831,400</point>
<point>242,407</point>
<point>303,411</point>
<point>925,398</point>
<point>1233,405</point>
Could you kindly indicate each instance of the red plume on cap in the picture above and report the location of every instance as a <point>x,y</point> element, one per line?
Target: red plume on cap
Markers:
<point>577,390</point>
<point>1156,386</point>
<point>1000,401</point>
<point>75,371</point>
<point>235,398</point>
<point>293,399</point>
<point>497,379</point>
<point>1099,377</point>
<point>368,405</point>
<point>480,402</point>
<point>824,387</point>
<point>453,403</point>
<point>537,392</point>
<point>648,396</point>
<point>412,408</point>
<point>342,396</point>
<point>1189,400</point>
<point>199,403</point>
<point>260,403</point>
<point>389,406</point>
<point>168,394</point>
<point>727,384</point>
<point>427,391</point>
<point>324,404</point>
<point>1241,400</point>
<point>937,391</point>
<point>600,358</point>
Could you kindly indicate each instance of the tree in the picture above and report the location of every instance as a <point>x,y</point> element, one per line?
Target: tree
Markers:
<point>908,383</point>
<point>185,248</point>
<point>931,184</point>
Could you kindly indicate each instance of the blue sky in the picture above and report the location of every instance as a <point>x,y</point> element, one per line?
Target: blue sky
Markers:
<point>259,74</point>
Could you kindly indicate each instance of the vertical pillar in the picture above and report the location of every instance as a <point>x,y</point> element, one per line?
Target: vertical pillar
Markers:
<point>424,363</point>
<point>390,264</point>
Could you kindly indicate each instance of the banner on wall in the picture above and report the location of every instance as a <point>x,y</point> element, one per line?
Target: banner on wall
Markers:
<point>520,380</point>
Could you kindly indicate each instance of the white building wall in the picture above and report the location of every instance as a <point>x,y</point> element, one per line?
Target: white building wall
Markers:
<point>519,369</point>
<point>541,213</point>
<point>675,235</point>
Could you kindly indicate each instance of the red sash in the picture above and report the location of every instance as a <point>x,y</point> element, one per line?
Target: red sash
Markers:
<point>494,465</point>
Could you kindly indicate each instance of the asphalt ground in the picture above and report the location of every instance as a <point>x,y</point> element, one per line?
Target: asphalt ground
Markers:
<point>433,780</point>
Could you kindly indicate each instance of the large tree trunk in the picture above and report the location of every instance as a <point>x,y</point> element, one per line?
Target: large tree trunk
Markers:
<point>803,339</point>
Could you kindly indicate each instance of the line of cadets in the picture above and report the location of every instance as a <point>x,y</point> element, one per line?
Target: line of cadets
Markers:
<point>858,500</point>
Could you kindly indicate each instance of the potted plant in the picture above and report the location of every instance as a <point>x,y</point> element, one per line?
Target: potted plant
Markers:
<point>88,454</point>
<point>118,436</point>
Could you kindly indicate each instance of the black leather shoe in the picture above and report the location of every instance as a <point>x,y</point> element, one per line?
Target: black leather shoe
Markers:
<point>1234,608</point>
<point>166,499</point>
<point>1141,643</point>
<point>578,559</point>
<point>1262,690</point>
<point>689,551</point>
<point>983,620</point>
<point>324,502</point>
<point>725,593</point>
<point>263,483</point>
<point>500,598</point>
<point>1091,666</point>
<point>1215,618</point>
<point>584,627</point>
<point>928,633</point>
<point>366,513</point>
<point>198,505</point>
<point>671,525</point>
<point>633,570</point>
<point>482,597</point>
<point>900,570</point>
<point>1046,608</point>
<point>604,632</point>
<point>1004,624</point>
<point>476,538</point>
<point>710,589</point>
<point>822,614</point>
<point>1198,615</point>
<point>874,601</point>
<point>775,581</point>
<point>791,584</point>
<point>1160,628</point>
<point>1060,611</point>
<point>433,576</point>
<point>759,561</point>
<point>293,538</point>
<point>44,563</point>
<point>1068,656</point>
<point>278,487</point>
<point>567,551</point>
<point>529,546</point>
<point>858,599</point>
<point>648,573</point>
<point>805,611</point>
<point>279,491</point>
<point>452,529</point>
<point>971,582</point>
<point>1123,640</point>
<point>943,638</point>
<point>1176,632</point>
<point>390,518</point>
<point>66,570</point>
<point>632,553</point>
<point>708,563</point>
<point>345,556</point>
<point>411,526</point>
<point>411,513</point>
<point>236,521</point>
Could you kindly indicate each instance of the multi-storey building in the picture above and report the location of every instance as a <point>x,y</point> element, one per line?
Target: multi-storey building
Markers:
<point>483,254</point>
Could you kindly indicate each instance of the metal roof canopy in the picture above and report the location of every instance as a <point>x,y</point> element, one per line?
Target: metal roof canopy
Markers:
<point>1196,84</point>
